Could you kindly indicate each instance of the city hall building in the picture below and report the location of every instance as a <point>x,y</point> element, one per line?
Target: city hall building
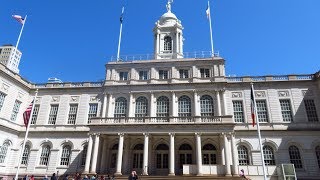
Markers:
<point>169,115</point>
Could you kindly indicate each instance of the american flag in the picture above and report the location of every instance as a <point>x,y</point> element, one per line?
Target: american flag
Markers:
<point>18,18</point>
<point>26,114</point>
<point>208,11</point>
<point>252,106</point>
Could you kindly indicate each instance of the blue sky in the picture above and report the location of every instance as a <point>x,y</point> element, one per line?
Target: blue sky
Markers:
<point>72,40</point>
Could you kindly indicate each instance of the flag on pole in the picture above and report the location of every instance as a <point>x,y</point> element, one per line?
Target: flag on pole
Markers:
<point>253,114</point>
<point>26,114</point>
<point>208,11</point>
<point>18,18</point>
<point>121,16</point>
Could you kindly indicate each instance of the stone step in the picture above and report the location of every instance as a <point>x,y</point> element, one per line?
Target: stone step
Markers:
<point>178,177</point>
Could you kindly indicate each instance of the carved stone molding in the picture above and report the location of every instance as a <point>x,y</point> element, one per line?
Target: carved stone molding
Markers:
<point>236,95</point>
<point>5,87</point>
<point>38,100</point>
<point>260,94</point>
<point>94,99</point>
<point>55,99</point>
<point>283,93</point>
<point>74,99</point>
<point>20,95</point>
<point>307,93</point>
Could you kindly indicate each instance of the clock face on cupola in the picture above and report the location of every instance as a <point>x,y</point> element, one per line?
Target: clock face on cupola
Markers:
<point>168,39</point>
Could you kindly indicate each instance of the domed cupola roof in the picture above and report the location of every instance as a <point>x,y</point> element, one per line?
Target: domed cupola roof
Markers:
<point>168,18</point>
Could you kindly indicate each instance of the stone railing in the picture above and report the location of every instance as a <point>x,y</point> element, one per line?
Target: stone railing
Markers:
<point>69,84</point>
<point>271,78</point>
<point>162,120</point>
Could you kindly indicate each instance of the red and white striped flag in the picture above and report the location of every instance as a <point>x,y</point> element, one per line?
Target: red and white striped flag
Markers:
<point>18,18</point>
<point>26,114</point>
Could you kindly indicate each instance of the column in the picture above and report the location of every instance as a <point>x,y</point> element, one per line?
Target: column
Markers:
<point>95,154</point>
<point>145,153</point>
<point>171,155</point>
<point>110,112</point>
<point>103,156</point>
<point>131,106</point>
<point>152,105</point>
<point>225,110</point>
<point>157,44</point>
<point>88,157</point>
<point>218,103</point>
<point>196,104</point>
<point>177,43</point>
<point>223,162</point>
<point>199,154</point>
<point>120,153</point>
<point>173,109</point>
<point>234,156</point>
<point>104,106</point>
<point>226,152</point>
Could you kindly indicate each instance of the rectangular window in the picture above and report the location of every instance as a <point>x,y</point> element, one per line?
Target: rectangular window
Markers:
<point>123,76</point>
<point>84,155</point>
<point>143,75</point>
<point>262,110</point>
<point>93,108</point>
<point>163,74</point>
<point>311,110</point>
<point>184,73</point>
<point>238,111</point>
<point>15,110</point>
<point>53,114</point>
<point>35,114</point>
<point>72,113</point>
<point>205,73</point>
<point>2,96</point>
<point>286,110</point>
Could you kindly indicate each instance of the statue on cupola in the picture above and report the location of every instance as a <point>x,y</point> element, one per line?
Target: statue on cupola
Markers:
<point>168,39</point>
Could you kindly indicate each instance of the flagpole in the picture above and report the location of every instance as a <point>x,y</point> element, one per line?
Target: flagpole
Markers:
<point>212,51</point>
<point>259,134</point>
<point>26,136</point>
<point>118,54</point>
<point>17,44</point>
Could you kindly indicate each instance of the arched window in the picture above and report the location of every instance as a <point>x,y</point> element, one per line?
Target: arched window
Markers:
<point>25,155</point>
<point>84,155</point>
<point>206,104</point>
<point>163,106</point>
<point>184,109</point>
<point>295,157</point>
<point>141,107</point>
<point>209,154</point>
<point>45,154</point>
<point>318,155</point>
<point>268,155</point>
<point>243,155</point>
<point>65,155</point>
<point>167,43</point>
<point>120,109</point>
<point>114,152</point>
<point>3,151</point>
<point>162,155</point>
<point>138,156</point>
<point>185,154</point>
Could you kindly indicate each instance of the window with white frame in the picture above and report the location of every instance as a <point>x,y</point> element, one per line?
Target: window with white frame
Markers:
<point>163,106</point>
<point>243,155</point>
<point>143,75</point>
<point>123,76</point>
<point>184,106</point>
<point>120,109</point>
<point>2,97</point>
<point>286,110</point>
<point>262,111</point>
<point>184,73</point>
<point>35,114</point>
<point>311,110</point>
<point>72,113</point>
<point>209,154</point>
<point>53,114</point>
<point>84,155</point>
<point>205,73</point>
<point>238,111</point>
<point>268,154</point>
<point>65,155</point>
<point>141,107</point>
<point>167,44</point>
<point>3,151</point>
<point>93,109</point>
<point>25,155</point>
<point>317,150</point>
<point>295,157</point>
<point>15,110</point>
<point>163,74</point>
<point>45,154</point>
<point>206,105</point>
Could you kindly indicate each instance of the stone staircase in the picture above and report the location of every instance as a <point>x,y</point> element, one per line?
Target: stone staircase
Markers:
<point>179,177</point>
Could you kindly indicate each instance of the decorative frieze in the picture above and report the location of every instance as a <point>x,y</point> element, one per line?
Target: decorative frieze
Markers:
<point>55,99</point>
<point>283,93</point>
<point>94,99</point>
<point>5,87</point>
<point>307,92</point>
<point>74,99</point>
<point>236,95</point>
<point>38,100</point>
<point>260,94</point>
